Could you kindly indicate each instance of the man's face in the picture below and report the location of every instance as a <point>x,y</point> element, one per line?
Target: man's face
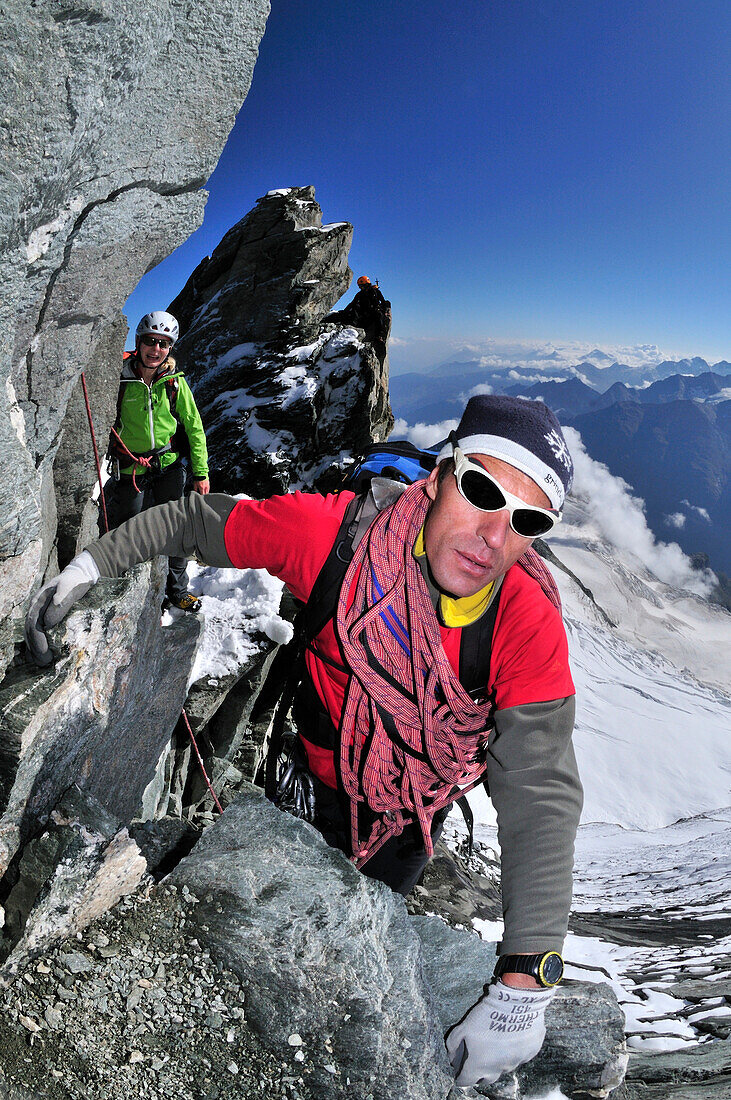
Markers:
<point>467,548</point>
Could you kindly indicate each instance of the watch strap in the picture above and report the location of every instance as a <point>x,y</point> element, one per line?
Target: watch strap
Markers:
<point>527,964</point>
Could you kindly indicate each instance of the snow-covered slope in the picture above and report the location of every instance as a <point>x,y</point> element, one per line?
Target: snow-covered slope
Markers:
<point>653,702</point>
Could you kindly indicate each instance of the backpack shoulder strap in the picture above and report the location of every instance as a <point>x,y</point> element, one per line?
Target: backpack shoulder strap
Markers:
<point>288,665</point>
<point>171,387</point>
<point>359,515</point>
<point>320,606</point>
<point>475,650</point>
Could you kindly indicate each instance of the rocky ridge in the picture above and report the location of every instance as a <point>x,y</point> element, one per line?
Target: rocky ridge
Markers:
<point>285,398</point>
<point>266,962</point>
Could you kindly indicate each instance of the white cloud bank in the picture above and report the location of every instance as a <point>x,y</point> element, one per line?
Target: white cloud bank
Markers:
<point>620,518</point>
<point>423,435</point>
<point>541,356</point>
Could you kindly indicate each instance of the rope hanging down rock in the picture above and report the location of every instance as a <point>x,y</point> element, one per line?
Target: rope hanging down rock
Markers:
<point>96,452</point>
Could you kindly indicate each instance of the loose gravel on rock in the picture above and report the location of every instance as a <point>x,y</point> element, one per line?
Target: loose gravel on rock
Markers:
<point>135,1008</point>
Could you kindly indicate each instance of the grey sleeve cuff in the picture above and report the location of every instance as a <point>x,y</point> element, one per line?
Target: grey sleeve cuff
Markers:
<point>190,527</point>
<point>534,784</point>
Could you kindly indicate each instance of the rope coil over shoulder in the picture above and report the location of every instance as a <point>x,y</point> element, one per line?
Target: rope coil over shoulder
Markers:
<point>411,739</point>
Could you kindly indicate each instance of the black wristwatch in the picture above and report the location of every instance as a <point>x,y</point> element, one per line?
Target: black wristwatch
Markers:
<point>546,967</point>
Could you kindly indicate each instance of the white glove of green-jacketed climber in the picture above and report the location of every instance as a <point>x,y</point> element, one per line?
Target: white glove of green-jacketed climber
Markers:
<point>54,601</point>
<point>504,1029</point>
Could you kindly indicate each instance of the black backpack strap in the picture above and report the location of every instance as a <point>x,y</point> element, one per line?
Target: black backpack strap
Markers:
<point>323,599</point>
<point>288,665</point>
<point>172,386</point>
<point>475,651</point>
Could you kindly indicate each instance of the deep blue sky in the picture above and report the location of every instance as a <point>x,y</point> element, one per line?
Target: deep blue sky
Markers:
<point>516,169</point>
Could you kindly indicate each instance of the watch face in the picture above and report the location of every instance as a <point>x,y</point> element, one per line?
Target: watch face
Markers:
<point>550,968</point>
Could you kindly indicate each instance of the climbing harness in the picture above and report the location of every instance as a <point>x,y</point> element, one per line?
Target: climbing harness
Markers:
<point>139,460</point>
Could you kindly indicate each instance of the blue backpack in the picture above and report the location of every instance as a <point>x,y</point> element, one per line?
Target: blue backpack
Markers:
<point>399,461</point>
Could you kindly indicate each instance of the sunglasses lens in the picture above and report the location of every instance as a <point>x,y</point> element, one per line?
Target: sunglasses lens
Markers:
<point>529,523</point>
<point>482,491</point>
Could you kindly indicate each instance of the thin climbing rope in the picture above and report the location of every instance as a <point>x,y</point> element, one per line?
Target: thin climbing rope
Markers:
<point>201,765</point>
<point>96,452</point>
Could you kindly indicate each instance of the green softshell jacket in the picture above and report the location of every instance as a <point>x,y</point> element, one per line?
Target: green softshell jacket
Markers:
<point>146,423</point>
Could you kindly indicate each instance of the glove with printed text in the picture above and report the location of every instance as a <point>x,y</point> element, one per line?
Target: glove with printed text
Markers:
<point>504,1029</point>
<point>54,601</point>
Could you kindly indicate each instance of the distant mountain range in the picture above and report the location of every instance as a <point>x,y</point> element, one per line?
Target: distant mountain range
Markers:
<point>439,393</point>
<point>573,397</point>
<point>668,434</point>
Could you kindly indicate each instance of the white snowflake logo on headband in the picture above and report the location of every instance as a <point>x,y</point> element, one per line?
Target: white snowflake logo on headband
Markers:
<point>559,448</point>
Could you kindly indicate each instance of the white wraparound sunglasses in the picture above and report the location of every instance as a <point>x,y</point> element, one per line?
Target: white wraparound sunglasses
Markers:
<point>483,491</point>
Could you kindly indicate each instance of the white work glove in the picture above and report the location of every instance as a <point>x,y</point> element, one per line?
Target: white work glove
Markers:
<point>504,1029</point>
<point>54,601</point>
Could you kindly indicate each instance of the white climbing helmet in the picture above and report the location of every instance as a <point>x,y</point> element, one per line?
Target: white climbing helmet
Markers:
<point>160,322</point>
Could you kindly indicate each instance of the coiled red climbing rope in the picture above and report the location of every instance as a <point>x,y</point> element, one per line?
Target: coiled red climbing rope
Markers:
<point>412,740</point>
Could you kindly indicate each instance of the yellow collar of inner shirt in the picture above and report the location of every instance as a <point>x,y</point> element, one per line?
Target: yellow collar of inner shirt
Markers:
<point>465,609</point>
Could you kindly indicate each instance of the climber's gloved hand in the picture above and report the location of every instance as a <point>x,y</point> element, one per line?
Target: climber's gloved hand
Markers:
<point>504,1029</point>
<point>54,601</point>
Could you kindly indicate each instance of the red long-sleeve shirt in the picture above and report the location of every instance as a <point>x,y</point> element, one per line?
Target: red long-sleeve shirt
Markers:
<point>291,536</point>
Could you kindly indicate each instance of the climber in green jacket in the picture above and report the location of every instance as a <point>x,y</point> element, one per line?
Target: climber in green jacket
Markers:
<point>157,425</point>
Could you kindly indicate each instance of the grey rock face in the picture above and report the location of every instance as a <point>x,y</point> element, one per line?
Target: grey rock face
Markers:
<point>699,1073</point>
<point>74,463</point>
<point>103,716</point>
<point>73,873</point>
<point>459,889</point>
<point>283,398</point>
<point>327,955</point>
<point>91,95</point>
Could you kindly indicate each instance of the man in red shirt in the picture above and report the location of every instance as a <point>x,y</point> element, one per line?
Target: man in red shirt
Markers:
<point>390,735</point>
